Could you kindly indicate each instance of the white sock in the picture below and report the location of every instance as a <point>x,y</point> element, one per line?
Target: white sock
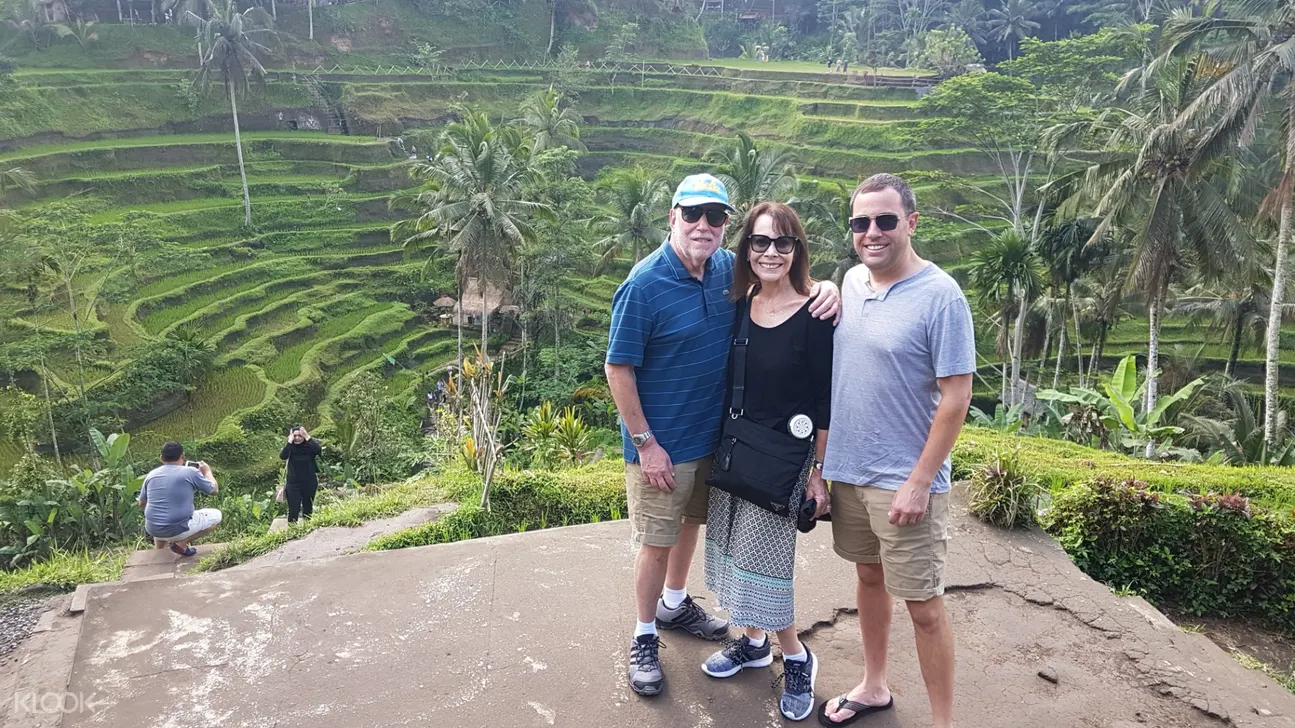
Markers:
<point>673,597</point>
<point>758,643</point>
<point>801,656</point>
<point>642,628</point>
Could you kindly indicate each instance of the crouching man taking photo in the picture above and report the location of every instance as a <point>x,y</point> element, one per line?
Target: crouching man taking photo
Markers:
<point>167,499</point>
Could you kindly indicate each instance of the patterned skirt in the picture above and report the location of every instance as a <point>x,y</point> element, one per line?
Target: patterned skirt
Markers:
<point>751,558</point>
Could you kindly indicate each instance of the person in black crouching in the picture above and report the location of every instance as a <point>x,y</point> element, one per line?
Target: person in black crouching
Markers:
<point>301,480</point>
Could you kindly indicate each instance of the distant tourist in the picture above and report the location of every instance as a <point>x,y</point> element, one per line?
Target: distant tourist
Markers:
<point>167,499</point>
<point>671,325</point>
<point>829,63</point>
<point>907,326</point>
<point>786,389</point>
<point>301,479</point>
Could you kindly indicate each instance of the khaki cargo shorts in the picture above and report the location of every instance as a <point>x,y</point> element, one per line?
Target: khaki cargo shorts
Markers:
<point>912,557</point>
<point>655,514</point>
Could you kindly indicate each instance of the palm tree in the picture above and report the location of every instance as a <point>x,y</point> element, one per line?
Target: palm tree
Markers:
<point>634,218</point>
<point>1099,299</point>
<point>1065,251</point>
<point>1008,274</point>
<point>826,217</point>
<point>231,60</point>
<point>1253,64</point>
<point>753,175</point>
<point>1012,22</point>
<point>1237,309</point>
<point>550,123</point>
<point>473,207</point>
<point>970,16</point>
<point>1150,183</point>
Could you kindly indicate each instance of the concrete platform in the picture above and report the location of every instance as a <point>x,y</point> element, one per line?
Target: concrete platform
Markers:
<point>532,629</point>
<point>153,563</point>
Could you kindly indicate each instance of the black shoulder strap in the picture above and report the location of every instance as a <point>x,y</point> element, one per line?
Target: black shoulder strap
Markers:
<point>738,399</point>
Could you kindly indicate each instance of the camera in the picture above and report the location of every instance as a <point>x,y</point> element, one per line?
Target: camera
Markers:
<point>191,464</point>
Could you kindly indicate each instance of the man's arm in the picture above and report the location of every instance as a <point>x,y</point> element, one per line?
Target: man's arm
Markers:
<point>654,461</point>
<point>204,470</point>
<point>825,301</point>
<point>909,504</point>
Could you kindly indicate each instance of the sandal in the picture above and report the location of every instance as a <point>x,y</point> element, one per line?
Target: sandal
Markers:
<point>860,710</point>
<point>186,551</point>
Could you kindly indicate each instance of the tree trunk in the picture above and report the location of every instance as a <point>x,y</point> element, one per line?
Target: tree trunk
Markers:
<point>49,413</point>
<point>1153,361</point>
<point>242,171</point>
<point>80,367</point>
<point>458,373</point>
<point>1061,353</point>
<point>1018,335</point>
<point>1235,353</point>
<point>310,12</point>
<point>120,18</point>
<point>557,330</point>
<point>1079,347</point>
<point>274,9</point>
<point>485,320</point>
<point>1099,348</point>
<point>553,26</point>
<point>1277,305</point>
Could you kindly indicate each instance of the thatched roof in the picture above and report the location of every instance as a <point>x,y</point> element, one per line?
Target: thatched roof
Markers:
<point>444,302</point>
<point>471,303</point>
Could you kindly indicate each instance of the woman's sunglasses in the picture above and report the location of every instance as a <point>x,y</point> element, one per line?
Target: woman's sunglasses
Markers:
<point>885,222</point>
<point>715,216</point>
<point>783,244</point>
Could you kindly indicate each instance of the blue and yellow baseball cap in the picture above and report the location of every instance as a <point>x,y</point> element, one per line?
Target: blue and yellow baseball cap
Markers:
<point>700,189</point>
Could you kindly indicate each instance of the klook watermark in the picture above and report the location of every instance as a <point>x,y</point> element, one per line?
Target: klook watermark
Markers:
<point>56,703</point>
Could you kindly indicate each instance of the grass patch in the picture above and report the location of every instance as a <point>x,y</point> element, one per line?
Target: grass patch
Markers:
<point>64,570</point>
<point>350,512</point>
<point>287,365</point>
<point>1284,678</point>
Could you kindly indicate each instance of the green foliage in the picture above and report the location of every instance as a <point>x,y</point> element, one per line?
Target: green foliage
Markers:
<point>1121,409</point>
<point>1005,419</point>
<point>948,51</point>
<point>521,501</point>
<point>1208,553</point>
<point>1003,493</point>
<point>64,570</point>
<point>1082,67</point>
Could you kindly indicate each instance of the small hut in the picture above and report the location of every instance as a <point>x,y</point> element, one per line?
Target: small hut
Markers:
<point>469,310</point>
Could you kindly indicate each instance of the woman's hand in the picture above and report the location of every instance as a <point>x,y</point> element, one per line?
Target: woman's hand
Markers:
<point>817,489</point>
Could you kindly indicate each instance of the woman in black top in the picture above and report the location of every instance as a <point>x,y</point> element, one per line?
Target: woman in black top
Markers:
<point>751,551</point>
<point>300,481</point>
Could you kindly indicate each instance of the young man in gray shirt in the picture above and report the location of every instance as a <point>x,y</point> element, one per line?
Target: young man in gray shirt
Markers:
<point>903,358</point>
<point>167,499</point>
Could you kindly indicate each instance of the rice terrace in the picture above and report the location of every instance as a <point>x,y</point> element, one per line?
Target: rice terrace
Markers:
<point>401,225</point>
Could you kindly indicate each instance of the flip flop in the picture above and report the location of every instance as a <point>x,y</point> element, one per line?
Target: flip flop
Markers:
<point>860,710</point>
<point>187,551</point>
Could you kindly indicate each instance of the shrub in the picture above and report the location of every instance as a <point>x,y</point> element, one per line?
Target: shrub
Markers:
<point>1211,553</point>
<point>1002,493</point>
<point>521,501</point>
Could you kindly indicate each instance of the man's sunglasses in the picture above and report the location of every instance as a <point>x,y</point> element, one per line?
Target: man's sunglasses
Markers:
<point>783,244</point>
<point>885,222</point>
<point>715,216</point>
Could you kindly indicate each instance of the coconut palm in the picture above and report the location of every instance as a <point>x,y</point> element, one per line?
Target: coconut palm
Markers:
<point>826,218</point>
<point>550,123</point>
<point>1012,22</point>
<point>1252,59</point>
<point>1150,184</point>
<point>753,175</point>
<point>1066,253</point>
<point>472,206</point>
<point>1007,274</point>
<point>970,16</point>
<point>230,40</point>
<point>634,218</point>
<point>1237,309</point>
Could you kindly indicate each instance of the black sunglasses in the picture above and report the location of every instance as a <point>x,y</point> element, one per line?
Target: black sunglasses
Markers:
<point>784,244</point>
<point>885,222</point>
<point>715,216</point>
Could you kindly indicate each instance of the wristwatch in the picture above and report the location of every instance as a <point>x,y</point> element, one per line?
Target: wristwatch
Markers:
<point>641,439</point>
<point>818,465</point>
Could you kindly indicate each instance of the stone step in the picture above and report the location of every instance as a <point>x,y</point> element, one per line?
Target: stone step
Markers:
<point>151,563</point>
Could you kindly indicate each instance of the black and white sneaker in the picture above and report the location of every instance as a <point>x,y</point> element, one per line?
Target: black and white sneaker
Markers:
<point>738,655</point>
<point>690,617</point>
<point>645,676</point>
<point>798,677</point>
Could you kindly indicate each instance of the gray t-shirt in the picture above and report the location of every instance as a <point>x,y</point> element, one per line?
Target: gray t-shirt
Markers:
<point>169,491</point>
<point>888,352</point>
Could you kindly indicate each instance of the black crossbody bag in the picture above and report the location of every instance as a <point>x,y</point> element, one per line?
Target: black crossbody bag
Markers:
<point>755,463</point>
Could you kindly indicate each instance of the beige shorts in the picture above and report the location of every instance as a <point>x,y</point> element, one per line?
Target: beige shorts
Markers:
<point>655,514</point>
<point>912,557</point>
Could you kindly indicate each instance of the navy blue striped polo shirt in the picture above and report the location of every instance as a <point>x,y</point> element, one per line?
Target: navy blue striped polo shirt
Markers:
<point>676,331</point>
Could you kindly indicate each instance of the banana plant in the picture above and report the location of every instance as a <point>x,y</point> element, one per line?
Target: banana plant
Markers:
<point>1120,404</point>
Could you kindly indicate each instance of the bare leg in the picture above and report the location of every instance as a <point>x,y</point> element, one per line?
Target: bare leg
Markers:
<point>934,639</point>
<point>185,544</point>
<point>875,608</point>
<point>649,578</point>
<point>160,543</point>
<point>676,576</point>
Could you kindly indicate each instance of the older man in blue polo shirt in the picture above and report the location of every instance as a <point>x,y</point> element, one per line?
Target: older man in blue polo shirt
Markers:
<point>672,321</point>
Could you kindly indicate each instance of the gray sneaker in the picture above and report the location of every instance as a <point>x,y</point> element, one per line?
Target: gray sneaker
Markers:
<point>738,654</point>
<point>690,617</point>
<point>645,676</point>
<point>798,686</point>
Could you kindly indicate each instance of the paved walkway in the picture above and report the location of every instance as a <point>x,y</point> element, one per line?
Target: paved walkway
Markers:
<point>531,630</point>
